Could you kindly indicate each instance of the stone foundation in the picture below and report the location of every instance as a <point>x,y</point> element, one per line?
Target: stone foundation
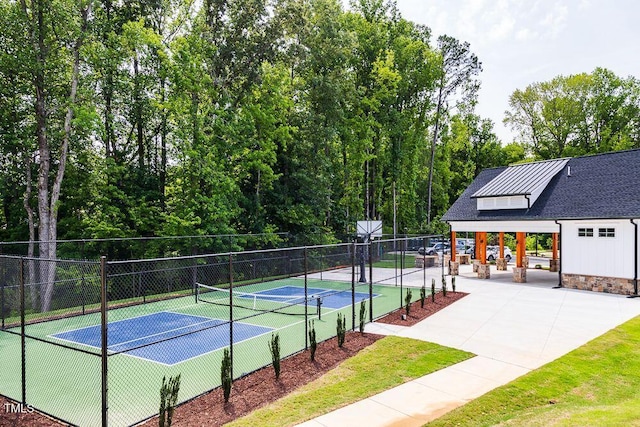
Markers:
<point>475,266</point>
<point>520,274</point>
<point>554,265</point>
<point>463,258</point>
<point>501,264</point>
<point>484,271</point>
<point>611,285</point>
<point>426,262</point>
<point>454,268</point>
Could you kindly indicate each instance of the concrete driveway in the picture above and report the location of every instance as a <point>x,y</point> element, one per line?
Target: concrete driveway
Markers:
<point>512,328</point>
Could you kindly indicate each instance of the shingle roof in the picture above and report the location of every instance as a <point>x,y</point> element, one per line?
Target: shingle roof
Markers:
<point>521,179</point>
<point>601,186</point>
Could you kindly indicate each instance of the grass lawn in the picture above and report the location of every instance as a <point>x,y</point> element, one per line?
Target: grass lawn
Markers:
<point>389,362</point>
<point>390,262</point>
<point>596,384</point>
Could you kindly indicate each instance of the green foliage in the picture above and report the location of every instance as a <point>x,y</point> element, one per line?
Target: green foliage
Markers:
<point>168,400</point>
<point>297,117</point>
<point>341,329</point>
<point>423,295</point>
<point>444,286</point>
<point>407,301</point>
<point>433,290</point>
<point>363,315</point>
<point>274,348</point>
<point>453,284</point>
<point>313,344</point>
<point>576,114</point>
<point>225,374</point>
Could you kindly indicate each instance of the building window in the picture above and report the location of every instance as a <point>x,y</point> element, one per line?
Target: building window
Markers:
<point>606,232</point>
<point>585,232</point>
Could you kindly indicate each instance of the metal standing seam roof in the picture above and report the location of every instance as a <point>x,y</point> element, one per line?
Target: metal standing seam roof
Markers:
<point>521,179</point>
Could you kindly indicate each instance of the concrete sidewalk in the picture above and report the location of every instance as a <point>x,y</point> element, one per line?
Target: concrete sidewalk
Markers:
<point>512,328</point>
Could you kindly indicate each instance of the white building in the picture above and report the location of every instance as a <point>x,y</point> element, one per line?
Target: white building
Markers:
<point>592,203</point>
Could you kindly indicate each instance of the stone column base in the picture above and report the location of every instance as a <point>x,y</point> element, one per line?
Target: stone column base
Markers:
<point>484,271</point>
<point>501,263</point>
<point>520,274</point>
<point>554,265</point>
<point>454,268</point>
<point>475,266</point>
<point>463,258</point>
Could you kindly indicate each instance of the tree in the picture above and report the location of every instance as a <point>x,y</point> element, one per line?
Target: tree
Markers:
<point>50,66</point>
<point>458,69</point>
<point>577,114</point>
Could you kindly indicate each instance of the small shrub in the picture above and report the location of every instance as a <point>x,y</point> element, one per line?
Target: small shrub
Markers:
<point>274,347</point>
<point>423,295</point>
<point>341,329</point>
<point>433,290</point>
<point>444,286</point>
<point>225,374</point>
<point>407,301</point>
<point>453,284</point>
<point>168,399</point>
<point>313,344</point>
<point>363,315</point>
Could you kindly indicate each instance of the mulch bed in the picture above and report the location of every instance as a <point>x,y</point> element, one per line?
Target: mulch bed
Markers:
<point>260,388</point>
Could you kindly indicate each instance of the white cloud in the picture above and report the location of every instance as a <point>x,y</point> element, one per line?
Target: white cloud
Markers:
<point>556,19</point>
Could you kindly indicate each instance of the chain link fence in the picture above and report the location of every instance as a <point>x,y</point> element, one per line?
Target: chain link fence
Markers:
<point>90,342</point>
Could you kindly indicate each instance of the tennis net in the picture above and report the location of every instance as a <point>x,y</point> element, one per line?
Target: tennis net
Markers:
<point>262,301</point>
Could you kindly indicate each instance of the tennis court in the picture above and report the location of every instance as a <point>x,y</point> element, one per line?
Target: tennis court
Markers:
<point>170,317</point>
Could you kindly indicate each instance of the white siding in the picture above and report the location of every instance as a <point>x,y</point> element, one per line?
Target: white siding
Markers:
<point>504,202</point>
<point>598,256</point>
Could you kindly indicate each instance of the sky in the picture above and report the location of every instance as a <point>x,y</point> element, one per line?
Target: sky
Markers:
<point>521,42</point>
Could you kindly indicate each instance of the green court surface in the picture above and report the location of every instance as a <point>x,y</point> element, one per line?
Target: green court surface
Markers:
<point>67,383</point>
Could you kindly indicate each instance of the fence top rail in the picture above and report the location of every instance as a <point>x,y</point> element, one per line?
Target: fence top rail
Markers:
<point>403,238</point>
<point>225,254</point>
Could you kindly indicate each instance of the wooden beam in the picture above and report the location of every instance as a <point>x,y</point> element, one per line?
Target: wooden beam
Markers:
<point>453,246</point>
<point>521,246</point>
<point>554,246</point>
<point>481,250</point>
<point>501,243</point>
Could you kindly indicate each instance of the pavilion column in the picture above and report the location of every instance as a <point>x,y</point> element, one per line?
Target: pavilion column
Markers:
<point>481,255</point>
<point>454,265</point>
<point>501,262</point>
<point>520,271</point>
<point>554,262</point>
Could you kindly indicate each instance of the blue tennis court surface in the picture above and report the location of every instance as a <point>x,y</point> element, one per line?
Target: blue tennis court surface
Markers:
<point>164,337</point>
<point>330,298</point>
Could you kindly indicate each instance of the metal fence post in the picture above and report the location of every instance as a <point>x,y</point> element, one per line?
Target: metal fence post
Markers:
<point>2,300</point>
<point>402,254</point>
<point>103,325</point>
<point>353,285</point>
<point>306,301</point>
<point>231,311</point>
<point>22,335</point>
<point>370,281</point>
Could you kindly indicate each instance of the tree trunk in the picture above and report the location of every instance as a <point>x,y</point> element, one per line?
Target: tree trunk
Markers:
<point>433,150</point>
<point>31,267</point>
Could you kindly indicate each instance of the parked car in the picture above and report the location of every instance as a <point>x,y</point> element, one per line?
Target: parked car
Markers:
<point>437,248</point>
<point>493,252</point>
